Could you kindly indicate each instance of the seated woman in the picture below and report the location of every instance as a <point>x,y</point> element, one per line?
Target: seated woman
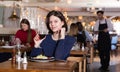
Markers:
<point>74,32</point>
<point>25,34</point>
<point>83,35</point>
<point>56,44</point>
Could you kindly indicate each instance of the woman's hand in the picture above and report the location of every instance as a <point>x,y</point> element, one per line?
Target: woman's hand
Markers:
<point>105,30</point>
<point>17,41</point>
<point>36,38</point>
<point>28,45</point>
<point>37,41</point>
<point>62,33</point>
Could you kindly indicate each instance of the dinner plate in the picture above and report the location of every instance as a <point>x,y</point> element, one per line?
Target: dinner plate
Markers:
<point>21,45</point>
<point>7,46</point>
<point>42,60</point>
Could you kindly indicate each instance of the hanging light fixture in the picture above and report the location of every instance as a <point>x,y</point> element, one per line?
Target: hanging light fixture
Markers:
<point>14,14</point>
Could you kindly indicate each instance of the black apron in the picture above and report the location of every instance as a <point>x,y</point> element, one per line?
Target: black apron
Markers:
<point>104,41</point>
<point>104,45</point>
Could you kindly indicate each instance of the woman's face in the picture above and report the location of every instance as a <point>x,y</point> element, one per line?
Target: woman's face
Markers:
<point>24,26</point>
<point>55,23</point>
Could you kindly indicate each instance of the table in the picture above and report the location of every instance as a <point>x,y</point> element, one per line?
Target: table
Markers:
<point>88,53</point>
<point>54,66</point>
<point>22,49</point>
<point>14,50</point>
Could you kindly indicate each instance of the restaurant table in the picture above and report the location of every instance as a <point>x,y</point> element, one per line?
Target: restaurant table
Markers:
<point>13,50</point>
<point>89,52</point>
<point>53,66</point>
<point>22,49</point>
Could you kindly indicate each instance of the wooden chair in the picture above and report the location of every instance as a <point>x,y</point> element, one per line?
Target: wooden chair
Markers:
<point>81,61</point>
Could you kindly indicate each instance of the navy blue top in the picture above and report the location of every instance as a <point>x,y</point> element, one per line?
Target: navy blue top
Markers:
<point>59,49</point>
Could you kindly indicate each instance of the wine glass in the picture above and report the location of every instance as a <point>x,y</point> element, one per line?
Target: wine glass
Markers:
<point>18,43</point>
<point>42,34</point>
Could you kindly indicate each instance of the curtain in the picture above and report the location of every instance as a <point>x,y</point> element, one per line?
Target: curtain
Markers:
<point>1,14</point>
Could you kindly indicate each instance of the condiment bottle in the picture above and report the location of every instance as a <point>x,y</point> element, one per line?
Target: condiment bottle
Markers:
<point>13,61</point>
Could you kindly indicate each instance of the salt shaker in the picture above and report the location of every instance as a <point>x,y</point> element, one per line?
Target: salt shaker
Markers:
<point>83,48</point>
<point>19,56</point>
<point>25,58</point>
<point>13,61</point>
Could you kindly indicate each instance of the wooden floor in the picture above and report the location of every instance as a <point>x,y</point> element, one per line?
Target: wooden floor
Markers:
<point>114,64</point>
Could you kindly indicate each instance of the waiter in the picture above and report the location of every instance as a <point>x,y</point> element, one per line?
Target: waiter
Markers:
<point>102,28</point>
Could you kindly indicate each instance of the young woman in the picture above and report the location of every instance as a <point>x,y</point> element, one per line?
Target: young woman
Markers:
<point>26,34</point>
<point>83,35</point>
<point>74,32</point>
<point>56,44</point>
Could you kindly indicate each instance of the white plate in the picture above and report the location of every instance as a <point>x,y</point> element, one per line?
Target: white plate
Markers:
<point>21,45</point>
<point>42,60</point>
<point>7,46</point>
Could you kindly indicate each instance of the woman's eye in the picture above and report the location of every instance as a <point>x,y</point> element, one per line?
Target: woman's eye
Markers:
<point>56,21</point>
<point>50,22</point>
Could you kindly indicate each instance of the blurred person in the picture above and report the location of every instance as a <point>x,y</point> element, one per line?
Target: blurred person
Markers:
<point>83,35</point>
<point>74,32</point>
<point>25,35</point>
<point>56,44</point>
<point>102,28</point>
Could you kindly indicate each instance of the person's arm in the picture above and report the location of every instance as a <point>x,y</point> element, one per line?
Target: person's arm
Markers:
<point>18,34</point>
<point>110,25</point>
<point>96,27</point>
<point>63,48</point>
<point>17,37</point>
<point>37,49</point>
<point>88,38</point>
<point>31,44</point>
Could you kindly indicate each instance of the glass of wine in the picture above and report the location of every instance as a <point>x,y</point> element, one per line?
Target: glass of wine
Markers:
<point>42,34</point>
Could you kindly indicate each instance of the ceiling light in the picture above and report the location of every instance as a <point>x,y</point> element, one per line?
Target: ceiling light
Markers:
<point>14,14</point>
<point>69,1</point>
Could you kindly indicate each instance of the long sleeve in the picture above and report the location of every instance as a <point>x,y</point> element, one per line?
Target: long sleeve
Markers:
<point>96,26</point>
<point>110,25</point>
<point>59,49</point>
<point>64,47</point>
<point>23,35</point>
<point>88,37</point>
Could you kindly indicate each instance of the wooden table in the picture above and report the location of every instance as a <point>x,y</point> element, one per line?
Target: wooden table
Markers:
<point>89,52</point>
<point>55,66</point>
<point>14,50</point>
<point>22,49</point>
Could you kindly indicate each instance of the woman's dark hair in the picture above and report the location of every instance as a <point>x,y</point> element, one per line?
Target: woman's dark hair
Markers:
<point>25,21</point>
<point>57,14</point>
<point>100,11</point>
<point>80,26</point>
